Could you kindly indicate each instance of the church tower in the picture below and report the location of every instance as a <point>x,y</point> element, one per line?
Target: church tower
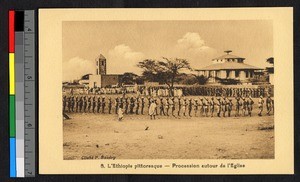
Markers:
<point>100,65</point>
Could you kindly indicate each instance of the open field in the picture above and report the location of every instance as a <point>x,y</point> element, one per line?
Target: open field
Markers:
<point>96,136</point>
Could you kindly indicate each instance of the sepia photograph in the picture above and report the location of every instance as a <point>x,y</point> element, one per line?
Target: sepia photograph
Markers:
<point>168,89</point>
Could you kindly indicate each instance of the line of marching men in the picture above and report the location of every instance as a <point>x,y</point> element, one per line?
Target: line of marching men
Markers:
<point>170,106</point>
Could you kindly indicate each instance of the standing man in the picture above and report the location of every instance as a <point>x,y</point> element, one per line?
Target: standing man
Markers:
<point>69,104</point>
<point>260,105</point>
<point>250,105</point>
<point>230,104</point>
<point>184,105</point>
<point>126,105</point>
<point>269,105</point>
<point>190,105</point>
<point>80,104</point>
<point>237,106</point>
<point>201,107</point>
<point>76,104</point>
<point>109,105</point>
<point>224,102</point>
<point>89,103</point>
<point>131,105</point>
<point>172,105</point>
<point>103,104</point>
<point>143,105</point>
<point>72,103</point>
<point>205,107</point>
<point>93,104</point>
<point>64,103</point>
<point>152,109</point>
<point>116,105</point>
<point>196,105</point>
<point>167,106</point>
<point>212,107</point>
<point>84,104</point>
<point>98,104</point>
<point>244,106</point>
<point>161,107</point>
<point>137,106</point>
<point>218,104</point>
<point>179,106</point>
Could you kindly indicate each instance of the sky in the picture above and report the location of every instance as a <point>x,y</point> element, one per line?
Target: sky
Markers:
<point>125,43</point>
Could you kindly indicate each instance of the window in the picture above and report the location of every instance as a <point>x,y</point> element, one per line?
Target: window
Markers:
<point>227,73</point>
<point>97,72</point>
<point>237,74</point>
<point>102,62</point>
<point>96,63</point>
<point>247,74</point>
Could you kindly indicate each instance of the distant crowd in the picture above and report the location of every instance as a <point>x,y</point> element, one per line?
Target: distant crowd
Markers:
<point>177,91</point>
<point>168,106</point>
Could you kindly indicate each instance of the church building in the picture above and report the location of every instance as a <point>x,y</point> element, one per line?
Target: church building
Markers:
<point>100,78</point>
<point>229,67</point>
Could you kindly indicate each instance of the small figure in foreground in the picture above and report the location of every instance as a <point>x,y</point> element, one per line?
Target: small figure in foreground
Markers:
<point>152,109</point>
<point>120,114</point>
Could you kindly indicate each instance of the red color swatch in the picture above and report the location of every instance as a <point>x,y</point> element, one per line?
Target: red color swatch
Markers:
<point>11,31</point>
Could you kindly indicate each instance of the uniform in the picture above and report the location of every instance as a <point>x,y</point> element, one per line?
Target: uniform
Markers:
<point>269,104</point>
<point>230,105</point>
<point>179,106</point>
<point>131,105</point>
<point>218,107</point>
<point>223,106</point>
<point>196,105</point>
<point>126,105</point>
<point>103,105</point>
<point>80,104</point>
<point>184,105</point>
<point>143,105</point>
<point>260,105</point>
<point>205,107</point>
<point>190,105</point>
<point>109,105</point>
<point>94,104</point>
<point>89,104</point>
<point>244,106</point>
<point>237,107</point>
<point>167,107</point>
<point>116,105</point>
<point>137,106</point>
<point>161,107</point>
<point>212,107</point>
<point>98,104</point>
<point>64,103</point>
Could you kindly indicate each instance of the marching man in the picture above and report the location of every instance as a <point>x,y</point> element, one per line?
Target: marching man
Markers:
<point>260,105</point>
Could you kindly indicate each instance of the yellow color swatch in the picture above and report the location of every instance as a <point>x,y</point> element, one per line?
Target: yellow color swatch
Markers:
<point>11,73</point>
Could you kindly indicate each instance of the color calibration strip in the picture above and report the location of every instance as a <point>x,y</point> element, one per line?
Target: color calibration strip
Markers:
<point>22,93</point>
<point>12,113</point>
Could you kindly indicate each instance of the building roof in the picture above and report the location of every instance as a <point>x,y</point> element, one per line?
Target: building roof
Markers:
<point>228,56</point>
<point>229,66</point>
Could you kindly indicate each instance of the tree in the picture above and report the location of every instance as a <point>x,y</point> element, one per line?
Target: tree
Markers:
<point>165,71</point>
<point>201,79</point>
<point>128,78</point>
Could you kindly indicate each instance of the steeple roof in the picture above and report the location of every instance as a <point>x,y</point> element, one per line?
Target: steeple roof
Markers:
<point>101,57</point>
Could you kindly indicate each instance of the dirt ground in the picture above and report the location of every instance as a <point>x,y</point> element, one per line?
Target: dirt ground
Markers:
<point>102,136</point>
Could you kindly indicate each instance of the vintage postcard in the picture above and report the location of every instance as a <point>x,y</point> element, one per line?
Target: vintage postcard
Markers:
<point>166,91</point>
